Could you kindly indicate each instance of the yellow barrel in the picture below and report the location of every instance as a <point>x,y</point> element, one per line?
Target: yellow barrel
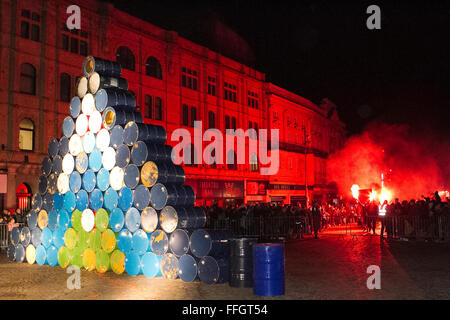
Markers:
<point>30,254</point>
<point>149,174</point>
<point>89,259</point>
<point>117,261</point>
<point>108,241</point>
<point>102,261</point>
<point>42,219</point>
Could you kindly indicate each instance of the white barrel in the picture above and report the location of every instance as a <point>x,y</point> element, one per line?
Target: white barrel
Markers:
<point>63,183</point>
<point>87,220</point>
<point>68,164</point>
<point>116,178</point>
<point>168,219</point>
<point>88,142</point>
<point>109,158</point>
<point>82,87</point>
<point>102,140</point>
<point>75,145</point>
<point>88,104</point>
<point>149,219</point>
<point>81,124</point>
<point>95,122</point>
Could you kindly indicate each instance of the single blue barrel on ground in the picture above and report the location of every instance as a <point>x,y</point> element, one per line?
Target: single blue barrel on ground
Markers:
<point>20,253</point>
<point>140,242</point>
<point>212,270</point>
<point>36,235</point>
<point>125,200</point>
<point>150,264</point>
<point>41,255</point>
<point>89,180</point>
<point>268,269</point>
<point>58,201</point>
<point>187,268</point>
<point>132,219</point>
<point>52,223</point>
<point>116,220</point>
<point>52,256</point>
<point>82,200</point>
<point>96,200</point>
<point>103,179</point>
<point>111,199</point>
<point>125,241</point>
<point>46,237</point>
<point>132,263</point>
<point>70,201</point>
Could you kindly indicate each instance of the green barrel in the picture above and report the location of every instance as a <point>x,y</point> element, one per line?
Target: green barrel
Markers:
<point>117,262</point>
<point>77,256</point>
<point>95,239</point>
<point>83,239</point>
<point>76,220</point>
<point>108,240</point>
<point>101,220</point>
<point>102,261</point>
<point>70,238</point>
<point>64,256</point>
<point>89,259</point>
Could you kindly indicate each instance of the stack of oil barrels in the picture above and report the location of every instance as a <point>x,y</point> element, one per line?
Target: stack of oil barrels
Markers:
<point>110,196</point>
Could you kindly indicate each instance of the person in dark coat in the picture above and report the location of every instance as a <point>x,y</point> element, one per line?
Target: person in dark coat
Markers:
<point>316,218</point>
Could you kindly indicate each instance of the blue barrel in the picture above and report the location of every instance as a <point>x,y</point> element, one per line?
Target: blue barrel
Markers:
<point>111,199</point>
<point>58,237</point>
<point>101,66</point>
<point>141,197</point>
<point>89,180</point>
<point>63,146</point>
<point>187,268</point>
<point>11,252</point>
<point>32,219</point>
<point>268,269</point>
<point>179,242</point>
<point>52,256</point>
<point>53,147</point>
<point>143,151</point>
<point>103,179</point>
<point>125,200</point>
<point>64,219</point>
<point>82,199</point>
<point>46,166</point>
<point>41,255</point>
<point>209,242</point>
<point>68,127</point>
<point>133,264</point>
<point>120,115</point>
<point>58,201</point>
<point>95,160</point>
<point>131,176</point>
<point>89,141</point>
<point>46,237</point>
<point>75,107</point>
<point>15,235</point>
<point>140,242</point>
<point>57,165</point>
<point>158,196</point>
<point>36,236</point>
<point>51,183</point>
<point>159,242</point>
<point>20,253</point>
<point>122,156</point>
<point>96,200</point>
<point>36,201</point>
<point>70,201</point>
<point>75,182</point>
<point>211,270</point>
<point>47,203</point>
<point>25,236</point>
<point>42,185</point>
<point>150,264</point>
<point>132,219</point>
<point>125,241</point>
<point>113,97</point>
<point>82,162</point>
<point>52,223</point>
<point>116,136</point>
<point>116,220</point>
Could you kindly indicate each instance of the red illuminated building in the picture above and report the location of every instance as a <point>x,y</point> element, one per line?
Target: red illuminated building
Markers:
<point>175,81</point>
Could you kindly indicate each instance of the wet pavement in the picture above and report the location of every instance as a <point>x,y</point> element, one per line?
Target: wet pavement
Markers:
<point>332,267</point>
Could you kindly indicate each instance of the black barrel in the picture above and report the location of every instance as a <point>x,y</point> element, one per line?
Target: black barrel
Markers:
<point>144,151</point>
<point>200,217</point>
<point>53,147</point>
<point>42,185</point>
<point>46,166</point>
<point>113,97</point>
<point>207,242</point>
<point>122,156</point>
<point>57,165</point>
<point>25,236</point>
<point>134,132</point>
<point>47,202</point>
<point>68,126</point>
<point>131,176</point>
<point>116,137</point>
<point>212,270</point>
<point>241,262</point>
<point>101,66</point>
<point>187,268</point>
<point>52,183</point>
<point>63,146</point>
<point>97,82</point>
<point>120,116</point>
<point>75,107</point>
<point>179,242</point>
<point>186,218</point>
<point>171,195</point>
<point>141,197</point>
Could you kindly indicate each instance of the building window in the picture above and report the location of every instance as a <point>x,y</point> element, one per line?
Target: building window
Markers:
<point>231,160</point>
<point>211,120</point>
<point>148,112</point>
<point>185,120</point>
<point>227,122</point>
<point>28,79</point>
<point>230,92</point>
<point>254,162</point>
<point>193,115</point>
<point>252,99</point>
<point>212,86</point>
<point>153,108</point>
<point>64,87</point>
<point>189,78</point>
<point>233,123</point>
<point>190,156</point>
<point>26,135</point>
<point>30,25</point>
<point>75,41</point>
<point>158,109</point>
<point>153,68</point>
<point>253,125</point>
<point>125,58</point>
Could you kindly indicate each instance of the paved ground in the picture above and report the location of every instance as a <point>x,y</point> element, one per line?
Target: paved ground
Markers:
<point>331,267</point>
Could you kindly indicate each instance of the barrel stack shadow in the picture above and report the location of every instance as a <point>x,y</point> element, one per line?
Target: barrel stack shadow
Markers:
<point>110,197</point>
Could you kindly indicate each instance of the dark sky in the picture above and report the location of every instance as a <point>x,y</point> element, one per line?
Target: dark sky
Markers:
<point>399,74</point>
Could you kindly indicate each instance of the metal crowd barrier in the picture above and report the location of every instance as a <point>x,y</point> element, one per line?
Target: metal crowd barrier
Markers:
<point>4,235</point>
<point>436,227</point>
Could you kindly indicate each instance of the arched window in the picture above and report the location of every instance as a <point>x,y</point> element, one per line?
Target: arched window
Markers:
<point>27,78</point>
<point>125,57</point>
<point>231,160</point>
<point>26,135</point>
<point>23,195</point>
<point>153,68</point>
<point>64,87</point>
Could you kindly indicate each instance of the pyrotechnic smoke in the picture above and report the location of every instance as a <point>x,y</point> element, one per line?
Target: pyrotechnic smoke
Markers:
<point>412,165</point>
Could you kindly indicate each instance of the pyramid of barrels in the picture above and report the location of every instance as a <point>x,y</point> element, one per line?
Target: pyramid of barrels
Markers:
<point>110,197</point>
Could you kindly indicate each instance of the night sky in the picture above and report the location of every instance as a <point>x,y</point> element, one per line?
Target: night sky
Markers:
<point>399,74</point>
